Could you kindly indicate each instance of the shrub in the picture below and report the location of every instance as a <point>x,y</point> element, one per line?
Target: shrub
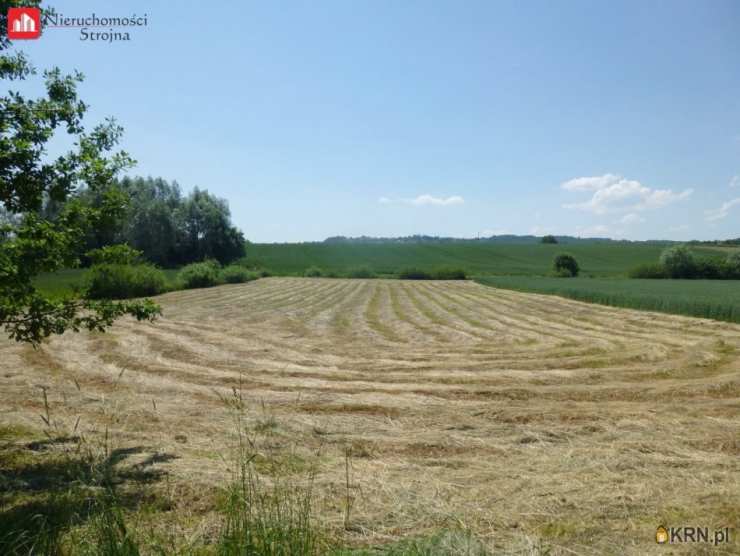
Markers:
<point>565,265</point>
<point>450,274</point>
<point>732,264</point>
<point>360,272</point>
<point>414,274</point>
<point>235,274</point>
<point>121,281</point>
<point>649,270</point>
<point>678,262</point>
<point>549,239</point>
<point>115,254</point>
<point>709,270</point>
<point>200,275</point>
<point>313,272</point>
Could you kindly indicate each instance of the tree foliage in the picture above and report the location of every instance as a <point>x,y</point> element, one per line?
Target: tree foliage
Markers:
<point>566,265</point>
<point>31,242</point>
<point>678,262</point>
<point>168,228</point>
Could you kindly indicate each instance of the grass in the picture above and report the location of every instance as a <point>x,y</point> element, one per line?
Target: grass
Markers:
<point>600,259</point>
<point>713,299</point>
<point>66,282</point>
<point>491,422</point>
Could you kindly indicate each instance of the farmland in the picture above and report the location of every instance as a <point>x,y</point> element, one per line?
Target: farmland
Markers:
<point>599,259</point>
<point>716,299</point>
<point>541,425</point>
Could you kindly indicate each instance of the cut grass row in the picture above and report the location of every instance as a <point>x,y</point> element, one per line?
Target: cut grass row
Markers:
<point>713,299</point>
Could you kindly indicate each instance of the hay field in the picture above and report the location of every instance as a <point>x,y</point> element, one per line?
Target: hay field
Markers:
<point>543,425</point>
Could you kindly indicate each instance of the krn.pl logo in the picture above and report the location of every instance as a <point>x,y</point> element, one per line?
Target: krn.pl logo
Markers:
<point>24,23</point>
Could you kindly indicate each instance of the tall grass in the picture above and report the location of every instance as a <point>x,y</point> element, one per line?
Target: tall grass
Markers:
<point>719,300</point>
<point>272,518</point>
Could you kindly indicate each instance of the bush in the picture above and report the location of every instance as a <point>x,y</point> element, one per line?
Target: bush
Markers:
<point>565,265</point>
<point>450,274</point>
<point>678,262</point>
<point>414,274</point>
<point>115,254</point>
<point>235,274</point>
<point>732,264</point>
<point>549,239</point>
<point>121,281</point>
<point>313,272</point>
<point>649,270</point>
<point>361,272</point>
<point>200,275</point>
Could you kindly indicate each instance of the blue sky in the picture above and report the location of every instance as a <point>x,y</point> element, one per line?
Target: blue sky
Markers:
<point>320,118</point>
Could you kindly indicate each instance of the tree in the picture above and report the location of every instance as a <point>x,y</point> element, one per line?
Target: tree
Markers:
<point>549,239</point>
<point>206,231</point>
<point>566,265</point>
<point>33,241</point>
<point>170,230</point>
<point>678,262</point>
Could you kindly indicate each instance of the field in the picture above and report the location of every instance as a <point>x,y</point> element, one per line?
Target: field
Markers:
<point>599,259</point>
<point>716,299</point>
<point>541,425</point>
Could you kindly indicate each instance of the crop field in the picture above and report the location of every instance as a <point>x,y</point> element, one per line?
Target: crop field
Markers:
<point>716,299</point>
<point>541,425</point>
<point>599,259</point>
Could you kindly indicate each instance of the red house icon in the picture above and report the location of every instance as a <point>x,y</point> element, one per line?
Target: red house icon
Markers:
<point>24,23</point>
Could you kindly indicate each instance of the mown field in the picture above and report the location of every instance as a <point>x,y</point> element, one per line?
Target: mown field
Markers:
<point>715,299</point>
<point>475,420</point>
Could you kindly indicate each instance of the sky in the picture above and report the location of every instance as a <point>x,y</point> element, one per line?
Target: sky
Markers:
<point>386,118</point>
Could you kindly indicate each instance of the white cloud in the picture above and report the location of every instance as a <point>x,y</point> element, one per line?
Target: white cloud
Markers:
<point>612,193</point>
<point>735,181</point>
<point>721,212</point>
<point>631,218</point>
<point>441,201</point>
<point>422,200</point>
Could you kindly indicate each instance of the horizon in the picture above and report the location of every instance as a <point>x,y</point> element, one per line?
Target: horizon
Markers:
<point>380,119</point>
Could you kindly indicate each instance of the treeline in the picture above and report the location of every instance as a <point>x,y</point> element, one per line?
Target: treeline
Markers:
<point>506,239</point>
<point>169,228</point>
<point>679,262</point>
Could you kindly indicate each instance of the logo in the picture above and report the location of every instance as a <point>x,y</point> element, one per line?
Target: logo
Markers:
<point>692,534</point>
<point>24,23</point>
<point>661,535</point>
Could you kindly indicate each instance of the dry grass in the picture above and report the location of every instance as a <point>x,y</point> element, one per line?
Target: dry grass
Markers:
<point>540,424</point>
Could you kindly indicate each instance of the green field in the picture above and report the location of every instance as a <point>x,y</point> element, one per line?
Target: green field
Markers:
<point>597,259</point>
<point>715,299</point>
<point>66,282</point>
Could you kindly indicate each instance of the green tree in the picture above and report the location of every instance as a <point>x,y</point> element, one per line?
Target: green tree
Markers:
<point>566,265</point>
<point>549,239</point>
<point>732,264</point>
<point>204,222</point>
<point>32,241</point>
<point>678,262</point>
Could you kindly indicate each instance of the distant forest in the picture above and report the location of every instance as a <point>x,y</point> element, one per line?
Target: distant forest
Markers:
<point>508,239</point>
